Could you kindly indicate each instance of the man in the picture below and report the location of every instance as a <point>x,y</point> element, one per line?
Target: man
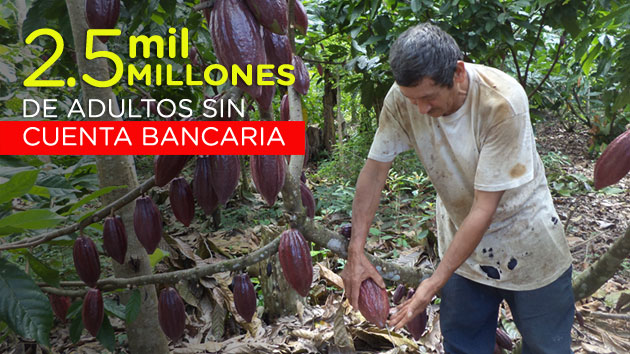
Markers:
<point>499,236</point>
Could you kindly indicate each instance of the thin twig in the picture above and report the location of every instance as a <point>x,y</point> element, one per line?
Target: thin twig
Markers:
<point>614,316</point>
<point>533,50</point>
<point>96,217</point>
<point>555,60</point>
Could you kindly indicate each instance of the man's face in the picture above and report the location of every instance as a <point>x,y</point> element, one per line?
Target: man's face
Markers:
<point>431,98</point>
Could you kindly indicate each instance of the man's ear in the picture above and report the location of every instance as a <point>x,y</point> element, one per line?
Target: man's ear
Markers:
<point>460,72</point>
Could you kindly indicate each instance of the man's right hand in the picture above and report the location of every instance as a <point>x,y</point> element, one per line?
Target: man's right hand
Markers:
<point>357,269</point>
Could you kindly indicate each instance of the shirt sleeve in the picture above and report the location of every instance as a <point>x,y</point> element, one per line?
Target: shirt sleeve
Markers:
<point>390,138</point>
<point>506,158</point>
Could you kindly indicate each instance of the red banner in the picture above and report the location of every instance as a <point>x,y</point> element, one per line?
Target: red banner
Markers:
<point>151,138</point>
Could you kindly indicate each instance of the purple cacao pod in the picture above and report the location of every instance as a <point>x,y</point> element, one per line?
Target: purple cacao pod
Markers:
<point>277,48</point>
<point>225,170</point>
<point>115,239</point>
<point>271,14</point>
<point>86,260</point>
<point>237,39</point>
<point>102,14</point>
<point>268,172</point>
<point>182,203</point>
<point>60,305</point>
<point>399,293</point>
<point>614,163</point>
<point>373,302</point>
<point>301,19</point>
<point>171,313</point>
<point>302,78</point>
<point>417,324</point>
<point>295,259</point>
<point>244,296</point>
<point>202,186</point>
<point>346,230</point>
<point>503,340</point>
<point>167,167</point>
<point>308,201</point>
<point>147,223</point>
<point>284,108</point>
<point>265,99</point>
<point>92,312</point>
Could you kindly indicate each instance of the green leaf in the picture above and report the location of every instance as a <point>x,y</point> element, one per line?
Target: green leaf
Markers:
<point>49,275</point>
<point>114,308</point>
<point>18,185</point>
<point>29,219</point>
<point>133,306</point>
<point>23,306</point>
<point>93,196</point>
<point>4,23</point>
<point>76,327</point>
<point>106,336</point>
<point>157,256</point>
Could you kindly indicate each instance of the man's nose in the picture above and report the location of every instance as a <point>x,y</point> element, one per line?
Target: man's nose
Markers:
<point>423,107</point>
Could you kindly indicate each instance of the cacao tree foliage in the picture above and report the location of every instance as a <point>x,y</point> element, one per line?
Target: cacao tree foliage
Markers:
<point>572,57</point>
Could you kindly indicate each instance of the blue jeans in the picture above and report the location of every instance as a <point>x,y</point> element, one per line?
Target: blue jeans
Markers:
<point>469,311</point>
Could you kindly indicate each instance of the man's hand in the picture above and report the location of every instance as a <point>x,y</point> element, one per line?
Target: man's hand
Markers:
<point>357,269</point>
<point>411,308</point>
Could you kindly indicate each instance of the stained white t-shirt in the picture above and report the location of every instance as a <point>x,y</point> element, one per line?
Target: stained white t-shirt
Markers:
<point>488,145</point>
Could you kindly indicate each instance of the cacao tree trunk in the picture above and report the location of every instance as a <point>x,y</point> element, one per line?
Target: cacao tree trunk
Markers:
<point>328,112</point>
<point>144,334</point>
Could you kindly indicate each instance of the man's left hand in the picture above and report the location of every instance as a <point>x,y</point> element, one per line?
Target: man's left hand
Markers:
<point>410,308</point>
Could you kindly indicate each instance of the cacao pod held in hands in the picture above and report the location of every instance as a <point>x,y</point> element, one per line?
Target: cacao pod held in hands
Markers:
<point>295,258</point>
<point>115,239</point>
<point>147,222</point>
<point>417,324</point>
<point>182,202</point>
<point>92,311</point>
<point>614,163</point>
<point>171,313</point>
<point>86,260</point>
<point>399,293</point>
<point>244,296</point>
<point>268,172</point>
<point>373,302</point>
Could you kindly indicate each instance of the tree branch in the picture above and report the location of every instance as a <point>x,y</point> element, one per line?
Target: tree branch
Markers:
<point>531,52</point>
<point>96,217</point>
<point>204,5</point>
<point>555,60</point>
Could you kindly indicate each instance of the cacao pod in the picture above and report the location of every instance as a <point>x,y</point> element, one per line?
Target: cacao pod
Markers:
<point>225,171</point>
<point>277,48</point>
<point>265,99</point>
<point>86,260</point>
<point>284,108</point>
<point>237,40</point>
<point>373,302</point>
<point>92,311</point>
<point>301,19</point>
<point>115,239</point>
<point>399,293</point>
<point>302,78</point>
<point>202,186</point>
<point>102,14</point>
<point>497,349</point>
<point>295,259</point>
<point>147,222</point>
<point>614,163</point>
<point>268,175</point>
<point>503,340</point>
<point>346,230</point>
<point>60,305</point>
<point>244,296</point>
<point>307,200</point>
<point>320,69</point>
<point>417,324</point>
<point>171,313</point>
<point>182,202</point>
<point>167,167</point>
<point>303,177</point>
<point>271,14</point>
<point>193,56</point>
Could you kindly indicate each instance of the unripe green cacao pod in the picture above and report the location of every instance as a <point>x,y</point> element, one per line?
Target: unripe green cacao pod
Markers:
<point>86,260</point>
<point>92,311</point>
<point>182,201</point>
<point>147,223</point>
<point>171,313</point>
<point>244,296</point>
<point>373,302</point>
<point>295,259</point>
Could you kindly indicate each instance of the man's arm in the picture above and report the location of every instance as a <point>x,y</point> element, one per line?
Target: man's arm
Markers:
<point>464,243</point>
<point>366,200</point>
